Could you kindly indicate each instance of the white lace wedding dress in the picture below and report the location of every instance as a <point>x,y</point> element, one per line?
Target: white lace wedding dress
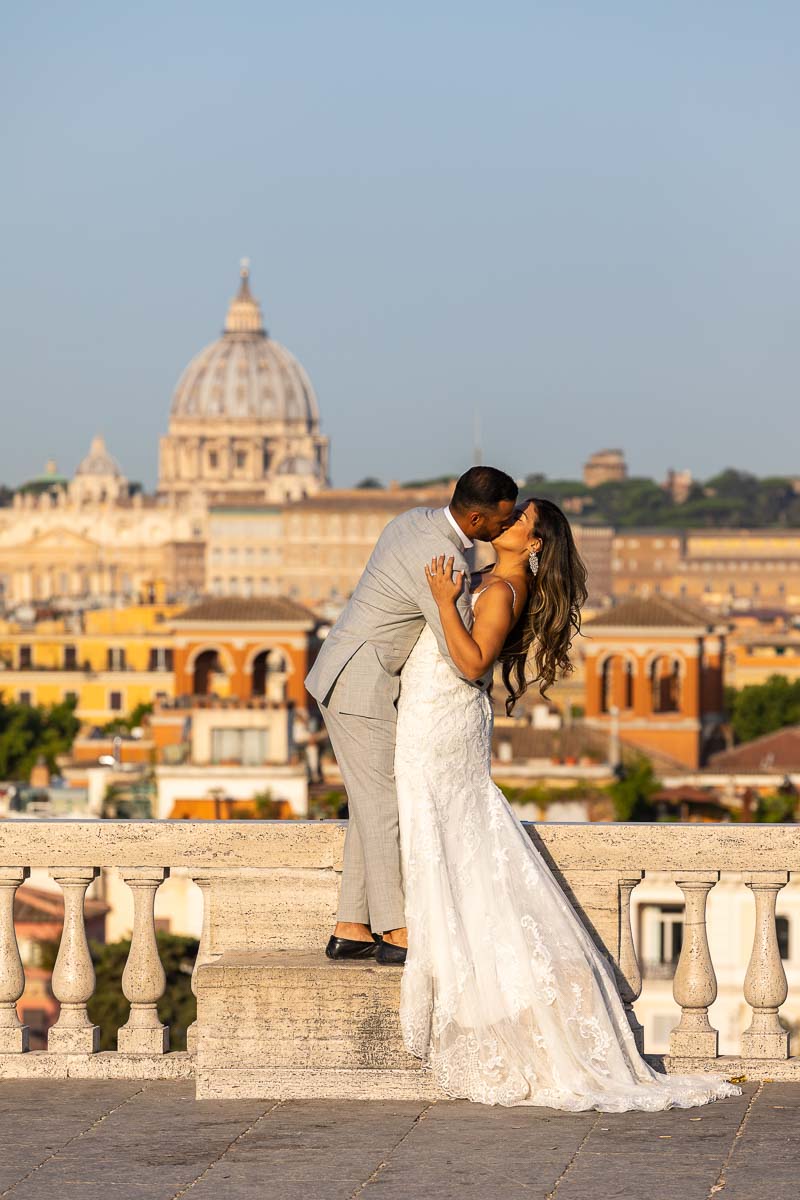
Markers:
<point>504,995</point>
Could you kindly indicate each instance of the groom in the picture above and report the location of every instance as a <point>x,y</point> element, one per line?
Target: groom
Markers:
<point>356,681</point>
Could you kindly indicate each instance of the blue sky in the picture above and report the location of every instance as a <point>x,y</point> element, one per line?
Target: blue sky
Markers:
<point>580,220</point>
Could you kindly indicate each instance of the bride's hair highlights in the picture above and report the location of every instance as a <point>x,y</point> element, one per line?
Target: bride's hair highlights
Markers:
<point>552,615</point>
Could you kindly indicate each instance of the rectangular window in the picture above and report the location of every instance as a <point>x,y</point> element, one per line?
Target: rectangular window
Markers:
<point>245,746</point>
<point>160,658</point>
<point>115,701</point>
<point>71,696</point>
<point>782,931</point>
<point>213,459</point>
<point>70,658</point>
<point>25,657</point>
<point>115,658</point>
<point>241,459</point>
<point>25,698</point>
<point>662,938</point>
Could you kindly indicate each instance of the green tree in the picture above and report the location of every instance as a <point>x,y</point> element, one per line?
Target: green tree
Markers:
<point>370,483</point>
<point>628,502</point>
<point>764,707</point>
<point>131,721</point>
<point>439,481</point>
<point>777,808</point>
<point>632,792</point>
<point>28,732</point>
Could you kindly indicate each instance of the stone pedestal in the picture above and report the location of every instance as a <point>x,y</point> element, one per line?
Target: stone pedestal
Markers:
<point>292,1024</point>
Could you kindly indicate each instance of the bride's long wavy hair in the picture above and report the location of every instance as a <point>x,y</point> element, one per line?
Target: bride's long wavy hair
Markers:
<point>552,616</point>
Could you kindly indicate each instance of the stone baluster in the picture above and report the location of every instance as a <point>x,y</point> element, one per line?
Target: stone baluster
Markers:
<point>13,1034</point>
<point>765,981</point>
<point>204,954</point>
<point>143,980</point>
<point>629,975</point>
<point>73,975</point>
<point>695,984</point>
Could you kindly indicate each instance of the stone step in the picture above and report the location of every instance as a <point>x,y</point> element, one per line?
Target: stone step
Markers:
<point>285,1024</point>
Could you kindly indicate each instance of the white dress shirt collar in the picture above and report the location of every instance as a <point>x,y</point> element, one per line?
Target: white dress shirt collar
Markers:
<point>465,541</point>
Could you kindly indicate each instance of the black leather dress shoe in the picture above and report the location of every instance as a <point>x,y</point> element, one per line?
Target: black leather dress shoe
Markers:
<point>389,955</point>
<point>345,948</point>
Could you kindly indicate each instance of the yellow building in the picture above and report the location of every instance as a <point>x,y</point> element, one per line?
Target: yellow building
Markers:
<point>108,660</point>
<point>726,570</point>
<point>757,651</point>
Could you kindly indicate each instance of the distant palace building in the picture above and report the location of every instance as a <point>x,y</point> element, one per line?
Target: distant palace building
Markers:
<point>727,570</point>
<point>605,466</point>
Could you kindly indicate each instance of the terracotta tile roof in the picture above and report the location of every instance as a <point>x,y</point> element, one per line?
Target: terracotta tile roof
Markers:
<point>35,905</point>
<point>572,742</point>
<point>246,608</point>
<point>651,612</point>
<point>777,752</point>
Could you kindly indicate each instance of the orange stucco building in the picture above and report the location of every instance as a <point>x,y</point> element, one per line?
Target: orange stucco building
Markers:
<point>655,671</point>
<point>244,648</point>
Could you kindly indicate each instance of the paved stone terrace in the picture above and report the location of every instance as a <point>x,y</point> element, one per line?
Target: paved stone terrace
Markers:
<point>70,1140</point>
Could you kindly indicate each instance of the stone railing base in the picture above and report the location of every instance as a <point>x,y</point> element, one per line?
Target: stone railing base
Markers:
<point>731,1066</point>
<point>291,1024</point>
<point>38,1064</point>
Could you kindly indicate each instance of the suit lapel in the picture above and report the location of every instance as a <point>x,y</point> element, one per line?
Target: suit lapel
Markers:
<point>443,526</point>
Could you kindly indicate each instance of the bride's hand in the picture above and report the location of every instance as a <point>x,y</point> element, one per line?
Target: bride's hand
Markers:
<point>444,584</point>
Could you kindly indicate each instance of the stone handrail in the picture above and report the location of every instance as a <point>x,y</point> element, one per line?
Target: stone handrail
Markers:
<point>272,885</point>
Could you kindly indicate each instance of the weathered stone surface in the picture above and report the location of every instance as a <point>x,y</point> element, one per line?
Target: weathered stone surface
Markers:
<point>270,909</point>
<point>314,844</point>
<point>82,1141</point>
<point>38,1064</point>
<point>294,1024</point>
<point>732,1066</point>
<point>318,845</point>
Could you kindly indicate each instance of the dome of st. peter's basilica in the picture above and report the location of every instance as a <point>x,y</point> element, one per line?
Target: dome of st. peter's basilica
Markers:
<point>244,422</point>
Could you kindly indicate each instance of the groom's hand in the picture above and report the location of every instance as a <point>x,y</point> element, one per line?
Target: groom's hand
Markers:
<point>444,584</point>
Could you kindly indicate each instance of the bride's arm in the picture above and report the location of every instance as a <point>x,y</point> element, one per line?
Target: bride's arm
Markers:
<point>473,653</point>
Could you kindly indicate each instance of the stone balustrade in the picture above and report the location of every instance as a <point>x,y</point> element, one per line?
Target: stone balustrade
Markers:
<point>271,887</point>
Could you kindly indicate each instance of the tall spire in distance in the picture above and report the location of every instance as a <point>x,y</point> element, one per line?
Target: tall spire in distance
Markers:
<point>244,312</point>
<point>477,451</point>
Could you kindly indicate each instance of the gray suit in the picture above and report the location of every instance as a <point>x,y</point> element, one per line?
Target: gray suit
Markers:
<point>356,681</point>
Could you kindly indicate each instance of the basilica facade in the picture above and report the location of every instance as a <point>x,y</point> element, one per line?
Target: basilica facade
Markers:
<point>243,429</point>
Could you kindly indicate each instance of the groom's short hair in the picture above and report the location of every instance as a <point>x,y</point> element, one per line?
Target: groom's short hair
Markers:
<point>481,488</point>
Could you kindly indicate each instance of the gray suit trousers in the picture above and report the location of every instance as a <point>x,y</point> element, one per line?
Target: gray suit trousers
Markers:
<point>372,889</point>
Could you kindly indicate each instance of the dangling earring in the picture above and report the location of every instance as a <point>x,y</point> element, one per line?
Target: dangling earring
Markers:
<point>533,562</point>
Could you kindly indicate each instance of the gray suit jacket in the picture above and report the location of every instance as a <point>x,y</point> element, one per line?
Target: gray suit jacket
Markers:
<point>369,644</point>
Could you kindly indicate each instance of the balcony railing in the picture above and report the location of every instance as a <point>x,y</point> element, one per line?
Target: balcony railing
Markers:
<point>272,886</point>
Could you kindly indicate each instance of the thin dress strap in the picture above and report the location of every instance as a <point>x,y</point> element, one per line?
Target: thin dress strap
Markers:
<point>479,593</point>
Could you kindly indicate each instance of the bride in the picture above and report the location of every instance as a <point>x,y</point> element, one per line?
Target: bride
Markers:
<point>504,995</point>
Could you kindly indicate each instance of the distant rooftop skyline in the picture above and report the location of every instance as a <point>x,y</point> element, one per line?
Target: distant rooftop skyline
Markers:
<point>577,221</point>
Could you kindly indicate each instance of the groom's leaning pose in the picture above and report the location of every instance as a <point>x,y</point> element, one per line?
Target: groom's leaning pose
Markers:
<point>356,681</point>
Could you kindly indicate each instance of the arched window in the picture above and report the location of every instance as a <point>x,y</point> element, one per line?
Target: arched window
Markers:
<point>269,673</point>
<point>204,665</point>
<point>665,682</point>
<point>605,686</point>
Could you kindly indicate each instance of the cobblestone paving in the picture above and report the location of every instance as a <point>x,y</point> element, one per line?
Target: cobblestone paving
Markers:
<point>131,1141</point>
